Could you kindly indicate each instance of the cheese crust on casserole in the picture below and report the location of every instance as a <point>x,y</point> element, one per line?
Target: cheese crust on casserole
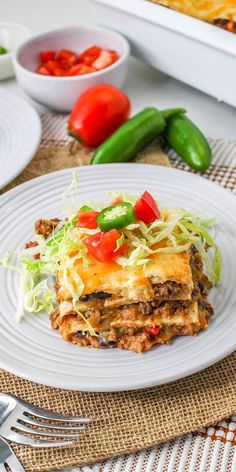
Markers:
<point>128,285</point>
<point>207,10</point>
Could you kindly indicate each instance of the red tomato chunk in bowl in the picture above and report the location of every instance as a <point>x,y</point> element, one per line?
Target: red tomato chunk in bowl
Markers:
<point>68,63</point>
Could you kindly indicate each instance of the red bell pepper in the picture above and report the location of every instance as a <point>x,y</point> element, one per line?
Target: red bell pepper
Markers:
<point>153,330</point>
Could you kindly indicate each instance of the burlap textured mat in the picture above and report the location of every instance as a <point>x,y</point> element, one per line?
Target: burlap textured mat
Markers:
<point>53,157</point>
<point>128,421</point>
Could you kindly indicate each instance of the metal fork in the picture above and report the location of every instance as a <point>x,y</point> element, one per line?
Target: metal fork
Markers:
<point>20,422</point>
<point>8,457</point>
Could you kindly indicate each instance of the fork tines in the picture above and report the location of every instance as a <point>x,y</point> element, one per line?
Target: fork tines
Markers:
<point>36,427</point>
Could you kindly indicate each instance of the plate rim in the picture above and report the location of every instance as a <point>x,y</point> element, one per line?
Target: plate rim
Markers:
<point>38,134</point>
<point>139,383</point>
<point>191,174</point>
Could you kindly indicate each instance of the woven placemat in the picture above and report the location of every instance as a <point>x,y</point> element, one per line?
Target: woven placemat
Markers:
<point>51,157</point>
<point>127,421</point>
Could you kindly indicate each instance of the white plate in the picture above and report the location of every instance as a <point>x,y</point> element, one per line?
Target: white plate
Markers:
<point>31,349</point>
<point>20,133</point>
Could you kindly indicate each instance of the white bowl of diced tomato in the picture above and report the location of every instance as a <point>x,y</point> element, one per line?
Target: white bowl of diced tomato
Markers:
<point>56,67</point>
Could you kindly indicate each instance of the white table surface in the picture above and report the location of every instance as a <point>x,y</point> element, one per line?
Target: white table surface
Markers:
<point>145,86</point>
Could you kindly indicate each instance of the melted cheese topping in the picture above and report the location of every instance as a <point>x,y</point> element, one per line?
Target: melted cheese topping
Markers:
<point>134,284</point>
<point>207,10</point>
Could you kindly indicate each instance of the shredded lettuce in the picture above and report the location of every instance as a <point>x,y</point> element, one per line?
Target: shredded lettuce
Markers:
<point>126,197</point>
<point>177,229</point>
<point>38,296</point>
<point>7,261</point>
<point>120,241</point>
<point>35,291</point>
<point>69,274</point>
<point>90,329</point>
<point>69,200</point>
<point>34,295</point>
<point>214,269</point>
<point>40,267</point>
<point>137,257</point>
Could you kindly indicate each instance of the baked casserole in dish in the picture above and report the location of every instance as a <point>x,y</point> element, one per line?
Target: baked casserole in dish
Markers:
<point>217,12</point>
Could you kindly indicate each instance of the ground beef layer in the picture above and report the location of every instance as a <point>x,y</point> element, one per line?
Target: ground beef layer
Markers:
<point>141,340</point>
<point>133,327</point>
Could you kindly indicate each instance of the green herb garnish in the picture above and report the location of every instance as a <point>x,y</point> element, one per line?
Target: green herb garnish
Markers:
<point>3,50</point>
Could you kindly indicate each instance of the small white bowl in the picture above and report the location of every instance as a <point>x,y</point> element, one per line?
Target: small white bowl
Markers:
<point>12,35</point>
<point>60,93</point>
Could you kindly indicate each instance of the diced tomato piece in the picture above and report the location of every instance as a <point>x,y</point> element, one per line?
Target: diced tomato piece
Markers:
<point>105,59</point>
<point>31,244</point>
<point>67,56</point>
<point>116,200</point>
<point>51,66</point>
<point>56,68</point>
<point>87,219</point>
<point>46,56</point>
<point>80,69</point>
<point>59,72</point>
<point>65,66</point>
<point>146,209</point>
<point>102,246</point>
<point>153,330</point>
<point>114,55</point>
<point>113,52</point>
<point>43,71</point>
<point>90,55</point>
<point>37,256</point>
<point>63,63</point>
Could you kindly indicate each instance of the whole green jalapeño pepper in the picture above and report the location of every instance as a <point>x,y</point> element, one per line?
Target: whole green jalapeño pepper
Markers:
<point>132,136</point>
<point>188,141</point>
<point>116,216</point>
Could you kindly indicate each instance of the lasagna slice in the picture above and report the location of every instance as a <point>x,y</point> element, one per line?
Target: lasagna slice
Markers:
<point>128,276</point>
<point>222,13</point>
<point>135,309</point>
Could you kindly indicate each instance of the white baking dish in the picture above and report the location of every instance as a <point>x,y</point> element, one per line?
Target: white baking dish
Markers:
<point>190,50</point>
